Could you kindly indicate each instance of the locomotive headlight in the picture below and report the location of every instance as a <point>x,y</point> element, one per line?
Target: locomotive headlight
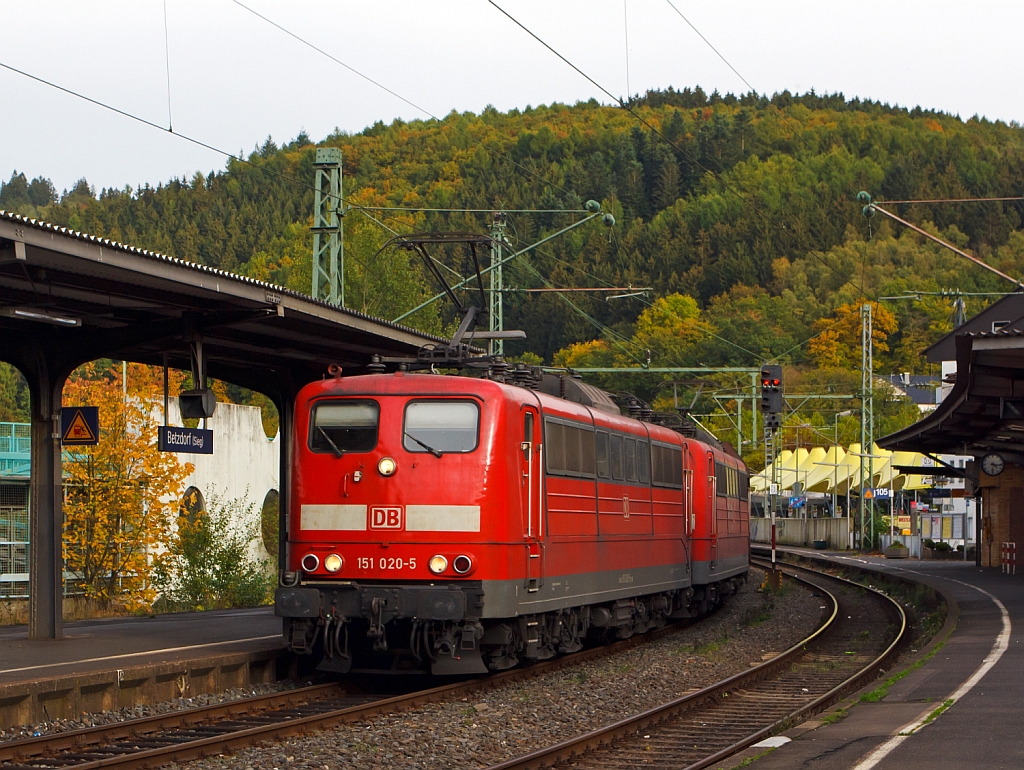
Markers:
<point>462,564</point>
<point>387,466</point>
<point>333,563</point>
<point>438,564</point>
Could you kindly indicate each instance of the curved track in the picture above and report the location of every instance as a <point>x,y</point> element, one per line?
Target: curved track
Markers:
<point>193,733</point>
<point>861,636</point>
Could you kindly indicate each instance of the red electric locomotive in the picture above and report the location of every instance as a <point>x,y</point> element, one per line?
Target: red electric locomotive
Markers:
<point>461,524</point>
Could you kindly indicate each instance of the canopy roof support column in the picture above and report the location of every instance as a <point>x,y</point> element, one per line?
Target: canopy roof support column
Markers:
<point>45,370</point>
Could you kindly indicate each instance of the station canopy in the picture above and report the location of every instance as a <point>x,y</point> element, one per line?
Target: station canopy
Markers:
<point>837,470</point>
<point>93,297</point>
<point>984,411</point>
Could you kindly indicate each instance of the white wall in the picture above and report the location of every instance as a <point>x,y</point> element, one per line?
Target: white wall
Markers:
<point>244,463</point>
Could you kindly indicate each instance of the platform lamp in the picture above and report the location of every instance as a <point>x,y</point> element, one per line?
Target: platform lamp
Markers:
<point>835,464</point>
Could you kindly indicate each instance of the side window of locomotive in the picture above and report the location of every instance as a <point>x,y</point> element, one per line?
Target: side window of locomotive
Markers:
<point>554,444</point>
<point>601,450</point>
<point>343,426</point>
<point>643,462</point>
<point>616,457</point>
<point>570,449</point>
<point>442,426</point>
<point>667,466</point>
<point>744,486</point>
<point>587,452</point>
<point>630,459</point>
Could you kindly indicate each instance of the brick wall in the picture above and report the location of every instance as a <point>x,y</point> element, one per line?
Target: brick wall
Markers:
<point>1003,513</point>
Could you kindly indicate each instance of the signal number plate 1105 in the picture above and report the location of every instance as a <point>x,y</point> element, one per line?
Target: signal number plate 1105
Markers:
<point>386,563</point>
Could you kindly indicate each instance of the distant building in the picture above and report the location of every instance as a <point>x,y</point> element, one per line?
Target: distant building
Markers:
<point>922,389</point>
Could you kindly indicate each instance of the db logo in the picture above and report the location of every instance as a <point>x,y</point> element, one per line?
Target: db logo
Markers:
<point>386,517</point>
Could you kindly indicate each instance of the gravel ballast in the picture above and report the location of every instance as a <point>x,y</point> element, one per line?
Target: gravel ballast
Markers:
<point>521,717</point>
<point>145,710</point>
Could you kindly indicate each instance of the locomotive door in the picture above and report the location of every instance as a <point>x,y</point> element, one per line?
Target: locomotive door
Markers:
<point>531,456</point>
<point>689,514</point>
<point>713,508</point>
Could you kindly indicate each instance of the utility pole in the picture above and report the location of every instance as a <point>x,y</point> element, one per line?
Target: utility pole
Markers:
<point>496,314</point>
<point>867,417</point>
<point>328,230</point>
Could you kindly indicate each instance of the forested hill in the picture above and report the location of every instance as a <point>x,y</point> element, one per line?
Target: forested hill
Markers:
<point>747,210</point>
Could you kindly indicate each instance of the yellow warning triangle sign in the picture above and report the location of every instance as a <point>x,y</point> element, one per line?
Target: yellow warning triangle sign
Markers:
<point>79,430</point>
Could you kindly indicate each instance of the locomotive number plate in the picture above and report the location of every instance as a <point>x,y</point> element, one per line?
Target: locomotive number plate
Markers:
<point>386,562</point>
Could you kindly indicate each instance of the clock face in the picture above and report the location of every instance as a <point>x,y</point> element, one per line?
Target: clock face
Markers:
<point>993,464</point>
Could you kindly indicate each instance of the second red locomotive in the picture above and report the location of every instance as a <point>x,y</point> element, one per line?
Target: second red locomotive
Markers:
<point>461,524</point>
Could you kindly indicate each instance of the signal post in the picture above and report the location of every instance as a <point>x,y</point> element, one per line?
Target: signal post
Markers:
<point>771,408</point>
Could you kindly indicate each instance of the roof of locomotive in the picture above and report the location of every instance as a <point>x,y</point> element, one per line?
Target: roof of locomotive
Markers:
<point>424,383</point>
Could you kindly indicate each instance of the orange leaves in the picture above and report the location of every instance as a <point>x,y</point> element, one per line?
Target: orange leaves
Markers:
<point>120,494</point>
<point>838,343</point>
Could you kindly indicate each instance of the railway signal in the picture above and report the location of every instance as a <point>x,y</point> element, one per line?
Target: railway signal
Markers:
<point>771,406</point>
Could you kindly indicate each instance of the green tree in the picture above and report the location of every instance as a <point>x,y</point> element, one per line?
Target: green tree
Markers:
<point>208,562</point>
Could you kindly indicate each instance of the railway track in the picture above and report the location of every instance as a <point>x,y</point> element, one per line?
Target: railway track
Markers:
<point>193,733</point>
<point>862,635</point>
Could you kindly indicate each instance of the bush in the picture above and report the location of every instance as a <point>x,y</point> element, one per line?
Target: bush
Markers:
<point>208,565</point>
<point>897,544</point>
<point>943,547</point>
<point>929,543</point>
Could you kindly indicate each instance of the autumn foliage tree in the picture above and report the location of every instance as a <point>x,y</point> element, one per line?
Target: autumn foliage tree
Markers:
<point>838,342</point>
<point>120,495</point>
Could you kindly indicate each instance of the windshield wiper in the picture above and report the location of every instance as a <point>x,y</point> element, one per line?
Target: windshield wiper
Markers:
<point>334,446</point>
<point>435,452</point>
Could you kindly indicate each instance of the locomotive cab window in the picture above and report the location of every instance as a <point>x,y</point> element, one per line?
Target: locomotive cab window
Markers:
<point>441,426</point>
<point>337,427</point>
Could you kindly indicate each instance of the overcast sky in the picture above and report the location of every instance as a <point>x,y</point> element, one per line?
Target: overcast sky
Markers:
<point>234,79</point>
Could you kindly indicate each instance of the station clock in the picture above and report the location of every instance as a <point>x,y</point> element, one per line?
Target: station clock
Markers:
<point>993,464</point>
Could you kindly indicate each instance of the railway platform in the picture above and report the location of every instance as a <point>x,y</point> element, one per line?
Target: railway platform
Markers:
<point>116,662</point>
<point>957,704</point>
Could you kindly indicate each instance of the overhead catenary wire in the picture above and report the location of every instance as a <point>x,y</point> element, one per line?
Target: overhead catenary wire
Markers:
<point>625,33</point>
<point>954,249</point>
<point>628,108</point>
<point>781,116</point>
<point>167,66</point>
<point>185,137</point>
<point>477,211</point>
<point>395,94</point>
<point>959,200</point>
<point>717,53</point>
<point>649,304</point>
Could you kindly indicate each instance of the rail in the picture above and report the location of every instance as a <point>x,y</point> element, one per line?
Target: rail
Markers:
<point>193,733</point>
<point>750,695</point>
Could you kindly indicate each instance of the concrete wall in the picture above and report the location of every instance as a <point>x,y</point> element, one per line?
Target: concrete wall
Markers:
<point>244,463</point>
<point>802,532</point>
